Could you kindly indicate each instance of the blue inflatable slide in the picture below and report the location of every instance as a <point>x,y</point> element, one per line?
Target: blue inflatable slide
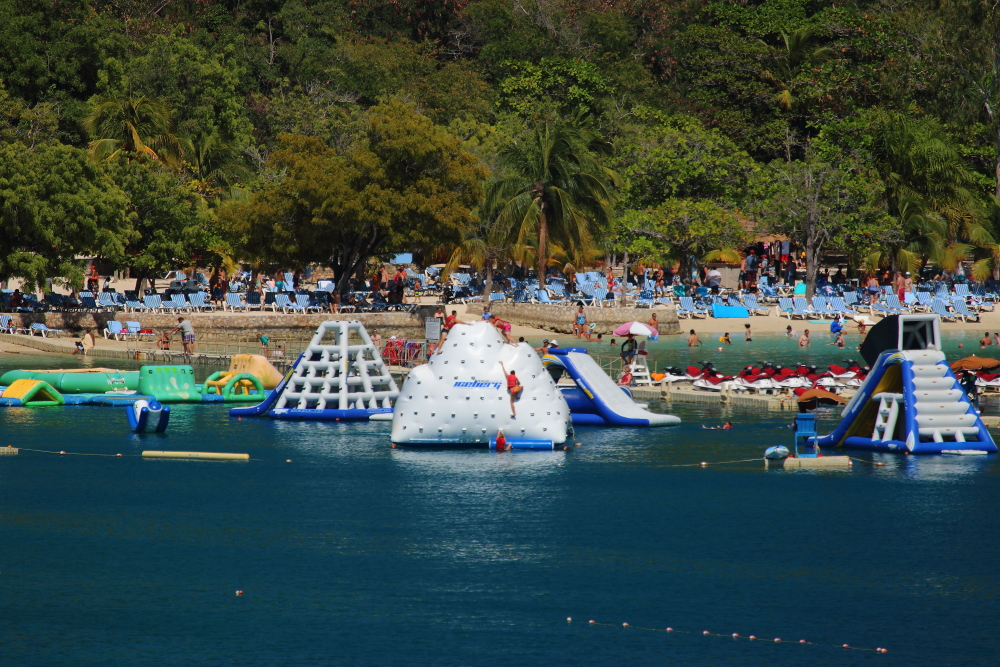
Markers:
<point>596,400</point>
<point>911,402</point>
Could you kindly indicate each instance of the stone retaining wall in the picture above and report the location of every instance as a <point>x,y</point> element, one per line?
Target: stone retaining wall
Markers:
<point>560,318</point>
<point>274,324</point>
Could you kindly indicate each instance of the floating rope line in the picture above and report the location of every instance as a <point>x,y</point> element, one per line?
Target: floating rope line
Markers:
<point>705,464</point>
<point>735,636</point>
<point>47,451</point>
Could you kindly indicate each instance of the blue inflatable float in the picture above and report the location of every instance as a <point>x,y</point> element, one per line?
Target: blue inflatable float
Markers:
<point>144,416</point>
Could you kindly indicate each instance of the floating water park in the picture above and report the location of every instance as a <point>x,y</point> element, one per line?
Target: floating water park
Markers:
<point>478,390</point>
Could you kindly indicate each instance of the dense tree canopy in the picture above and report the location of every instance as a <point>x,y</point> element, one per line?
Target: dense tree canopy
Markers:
<point>694,101</point>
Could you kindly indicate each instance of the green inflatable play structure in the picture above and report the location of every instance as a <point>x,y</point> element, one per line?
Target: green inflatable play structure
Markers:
<point>169,384</point>
<point>78,381</point>
<point>31,394</point>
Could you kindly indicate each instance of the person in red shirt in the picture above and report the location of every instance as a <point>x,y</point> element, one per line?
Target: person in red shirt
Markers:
<point>449,322</point>
<point>514,388</point>
<point>502,441</point>
<point>503,327</point>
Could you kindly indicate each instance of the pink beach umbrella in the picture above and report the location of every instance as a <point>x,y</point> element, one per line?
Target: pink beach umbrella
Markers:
<point>635,328</point>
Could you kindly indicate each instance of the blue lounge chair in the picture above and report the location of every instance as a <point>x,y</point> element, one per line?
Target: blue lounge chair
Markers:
<point>924,302</point>
<point>134,329</point>
<point>88,302</point>
<point>43,330</point>
<point>233,302</point>
<point>962,310</point>
<point>821,306</point>
<point>750,301</point>
<point>179,303</point>
<point>790,310</point>
<point>155,304</point>
<point>254,301</point>
<point>135,306</point>
<point>115,330</point>
<point>497,296</point>
<point>7,325</point>
<point>198,301</point>
<point>939,308</point>
<point>282,301</point>
<point>521,296</point>
<point>645,299</point>
<point>306,303</point>
<point>892,301</point>
<point>687,308</point>
<point>106,300</point>
<point>838,305</point>
<point>800,304</point>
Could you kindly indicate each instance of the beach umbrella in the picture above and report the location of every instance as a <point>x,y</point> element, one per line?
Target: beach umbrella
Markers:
<point>634,328</point>
<point>974,363</point>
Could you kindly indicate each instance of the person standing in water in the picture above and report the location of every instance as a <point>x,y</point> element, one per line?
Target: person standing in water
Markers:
<point>804,339</point>
<point>693,340</point>
<point>747,334</point>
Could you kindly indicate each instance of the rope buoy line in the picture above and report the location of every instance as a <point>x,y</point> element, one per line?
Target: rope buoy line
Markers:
<point>735,635</point>
<point>705,464</point>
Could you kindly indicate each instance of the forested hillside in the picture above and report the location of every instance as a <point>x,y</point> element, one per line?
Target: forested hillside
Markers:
<point>158,133</point>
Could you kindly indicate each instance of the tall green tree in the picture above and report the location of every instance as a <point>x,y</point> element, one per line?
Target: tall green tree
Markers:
<point>54,206</point>
<point>403,184</point>
<point>555,184</point>
<point>814,202</point>
<point>170,226</point>
<point>682,230</point>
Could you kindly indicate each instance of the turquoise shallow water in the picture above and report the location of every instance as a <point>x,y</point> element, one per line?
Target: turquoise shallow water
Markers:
<point>776,348</point>
<point>356,553</point>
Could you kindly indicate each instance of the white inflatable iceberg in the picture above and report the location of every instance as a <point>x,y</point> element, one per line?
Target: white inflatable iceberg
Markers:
<point>460,397</point>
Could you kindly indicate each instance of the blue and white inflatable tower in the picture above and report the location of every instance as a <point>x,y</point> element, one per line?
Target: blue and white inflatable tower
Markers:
<point>911,401</point>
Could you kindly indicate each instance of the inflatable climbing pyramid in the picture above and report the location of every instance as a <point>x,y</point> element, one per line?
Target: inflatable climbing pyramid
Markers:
<point>340,377</point>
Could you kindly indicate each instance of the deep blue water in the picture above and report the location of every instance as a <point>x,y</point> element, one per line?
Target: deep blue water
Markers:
<point>356,553</point>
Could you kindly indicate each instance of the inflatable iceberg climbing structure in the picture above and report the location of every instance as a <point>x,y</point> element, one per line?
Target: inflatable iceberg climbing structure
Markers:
<point>340,377</point>
<point>460,397</point>
<point>911,401</point>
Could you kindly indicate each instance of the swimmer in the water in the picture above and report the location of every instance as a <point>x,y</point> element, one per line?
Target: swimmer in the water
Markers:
<point>725,427</point>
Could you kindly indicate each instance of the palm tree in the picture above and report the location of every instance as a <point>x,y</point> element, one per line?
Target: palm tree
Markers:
<point>216,163</point>
<point>798,52</point>
<point>555,187</point>
<point>135,125</point>
<point>931,192</point>
<point>483,246</point>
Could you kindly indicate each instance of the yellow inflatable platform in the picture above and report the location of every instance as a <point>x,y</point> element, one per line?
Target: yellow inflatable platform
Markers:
<point>254,365</point>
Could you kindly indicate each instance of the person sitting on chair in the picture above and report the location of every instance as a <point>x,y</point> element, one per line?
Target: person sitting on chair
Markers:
<point>628,349</point>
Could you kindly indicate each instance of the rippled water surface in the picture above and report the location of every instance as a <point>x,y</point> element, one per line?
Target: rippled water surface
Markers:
<point>357,553</point>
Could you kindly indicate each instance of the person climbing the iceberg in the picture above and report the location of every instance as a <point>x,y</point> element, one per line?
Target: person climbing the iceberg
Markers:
<point>514,387</point>
<point>449,323</point>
